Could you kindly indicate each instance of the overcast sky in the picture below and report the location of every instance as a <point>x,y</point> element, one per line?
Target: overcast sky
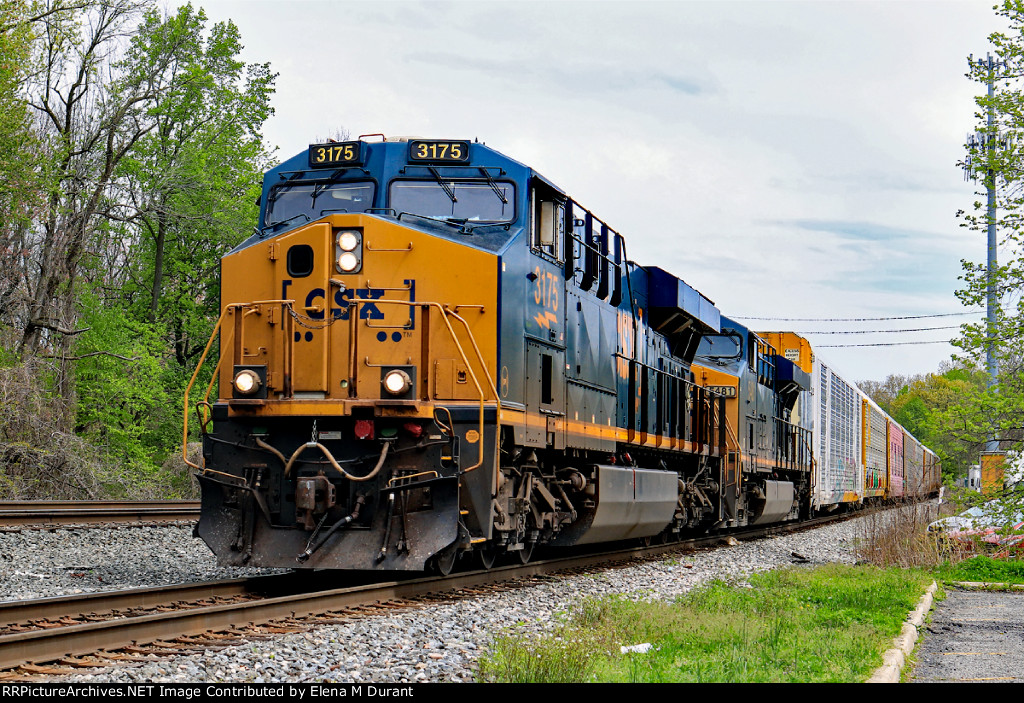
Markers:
<point>787,159</point>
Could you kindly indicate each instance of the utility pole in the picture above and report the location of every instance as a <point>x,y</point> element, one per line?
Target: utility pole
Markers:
<point>988,141</point>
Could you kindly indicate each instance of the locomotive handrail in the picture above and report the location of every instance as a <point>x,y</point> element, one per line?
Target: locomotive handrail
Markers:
<point>188,388</point>
<point>369,248</point>
<point>370,285</point>
<point>728,427</point>
<point>395,479</point>
<point>789,453</point>
<point>446,313</point>
<point>213,378</point>
<point>479,355</point>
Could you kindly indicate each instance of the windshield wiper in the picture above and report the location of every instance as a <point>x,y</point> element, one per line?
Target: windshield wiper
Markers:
<point>465,225</point>
<point>320,187</point>
<point>471,227</point>
<point>272,225</point>
<point>440,182</point>
<point>494,186</point>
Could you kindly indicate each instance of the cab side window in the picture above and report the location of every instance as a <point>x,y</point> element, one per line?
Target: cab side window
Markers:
<point>547,222</point>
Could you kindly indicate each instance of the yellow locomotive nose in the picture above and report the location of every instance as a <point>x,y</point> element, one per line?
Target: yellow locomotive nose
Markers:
<point>350,309</point>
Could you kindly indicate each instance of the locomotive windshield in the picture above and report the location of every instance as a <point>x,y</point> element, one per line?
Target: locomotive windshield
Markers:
<point>314,200</point>
<point>721,346</point>
<point>455,200</point>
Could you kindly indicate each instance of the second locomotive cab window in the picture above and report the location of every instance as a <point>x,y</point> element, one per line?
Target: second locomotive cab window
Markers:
<point>727,345</point>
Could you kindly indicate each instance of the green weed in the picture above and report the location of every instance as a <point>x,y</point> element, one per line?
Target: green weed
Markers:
<point>829,624</point>
<point>983,568</point>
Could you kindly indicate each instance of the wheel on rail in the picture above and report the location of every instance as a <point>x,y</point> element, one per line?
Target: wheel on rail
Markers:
<point>526,553</point>
<point>444,561</point>
<point>486,554</point>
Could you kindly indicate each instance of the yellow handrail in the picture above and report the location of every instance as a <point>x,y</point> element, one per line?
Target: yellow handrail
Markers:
<point>188,388</point>
<point>213,377</point>
<point>445,312</point>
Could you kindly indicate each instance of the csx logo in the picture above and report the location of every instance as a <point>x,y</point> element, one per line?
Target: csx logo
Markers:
<point>315,306</point>
<point>367,311</point>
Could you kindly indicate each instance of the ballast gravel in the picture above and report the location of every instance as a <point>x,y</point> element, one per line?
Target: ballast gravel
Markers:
<point>40,563</point>
<point>436,643</point>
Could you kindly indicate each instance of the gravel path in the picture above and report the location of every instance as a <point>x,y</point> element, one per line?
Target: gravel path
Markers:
<point>973,636</point>
<point>438,643</point>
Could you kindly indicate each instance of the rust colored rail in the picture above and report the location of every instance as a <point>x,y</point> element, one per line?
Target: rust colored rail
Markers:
<point>67,512</point>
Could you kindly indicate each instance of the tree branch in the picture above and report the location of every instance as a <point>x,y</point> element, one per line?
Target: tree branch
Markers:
<point>85,356</point>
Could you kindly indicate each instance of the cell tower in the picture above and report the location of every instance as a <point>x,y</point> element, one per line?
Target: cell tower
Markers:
<point>987,142</point>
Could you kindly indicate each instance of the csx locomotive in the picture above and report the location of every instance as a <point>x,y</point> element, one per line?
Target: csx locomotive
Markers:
<point>428,350</point>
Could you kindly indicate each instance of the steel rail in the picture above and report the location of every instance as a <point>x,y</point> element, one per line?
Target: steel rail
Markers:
<point>66,512</point>
<point>46,645</point>
<point>15,612</point>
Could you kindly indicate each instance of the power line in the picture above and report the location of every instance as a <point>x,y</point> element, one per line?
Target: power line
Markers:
<point>856,319</point>
<point>882,344</point>
<point>917,329</point>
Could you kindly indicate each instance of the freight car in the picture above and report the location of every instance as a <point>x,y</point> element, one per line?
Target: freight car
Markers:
<point>428,350</point>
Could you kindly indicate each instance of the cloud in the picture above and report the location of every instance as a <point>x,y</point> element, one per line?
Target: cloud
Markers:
<point>808,170</point>
<point>869,231</point>
<point>580,78</point>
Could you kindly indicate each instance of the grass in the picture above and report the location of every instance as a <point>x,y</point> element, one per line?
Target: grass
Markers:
<point>899,538</point>
<point>829,624</point>
<point>984,569</point>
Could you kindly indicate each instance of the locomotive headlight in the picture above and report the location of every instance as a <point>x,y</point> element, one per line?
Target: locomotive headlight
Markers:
<point>397,382</point>
<point>348,262</point>
<point>247,382</point>
<point>348,241</point>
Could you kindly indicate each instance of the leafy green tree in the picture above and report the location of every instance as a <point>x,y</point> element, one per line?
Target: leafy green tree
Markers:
<point>940,409</point>
<point>130,161</point>
<point>194,173</point>
<point>21,180</point>
<point>192,183</point>
<point>998,159</point>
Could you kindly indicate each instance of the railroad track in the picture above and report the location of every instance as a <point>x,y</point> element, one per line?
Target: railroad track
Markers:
<point>115,626</point>
<point>44,513</point>
<point>45,636</point>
